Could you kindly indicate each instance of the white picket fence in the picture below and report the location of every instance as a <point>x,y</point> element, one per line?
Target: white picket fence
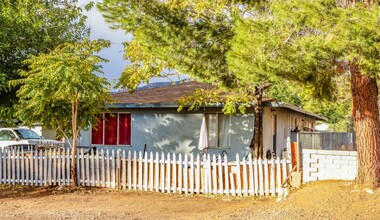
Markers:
<point>121,169</point>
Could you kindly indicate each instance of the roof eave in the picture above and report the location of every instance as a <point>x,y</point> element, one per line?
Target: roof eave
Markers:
<point>175,105</point>
<point>153,105</point>
<point>295,108</point>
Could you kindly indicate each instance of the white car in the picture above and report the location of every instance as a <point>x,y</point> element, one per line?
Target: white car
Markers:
<point>24,137</point>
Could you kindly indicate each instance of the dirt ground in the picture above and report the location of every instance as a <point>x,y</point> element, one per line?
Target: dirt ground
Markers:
<point>319,200</point>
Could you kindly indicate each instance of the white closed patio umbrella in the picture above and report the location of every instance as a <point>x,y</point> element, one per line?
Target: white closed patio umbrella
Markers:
<point>203,136</point>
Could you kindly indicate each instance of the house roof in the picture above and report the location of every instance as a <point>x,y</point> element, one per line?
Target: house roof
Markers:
<point>160,95</point>
<point>169,95</point>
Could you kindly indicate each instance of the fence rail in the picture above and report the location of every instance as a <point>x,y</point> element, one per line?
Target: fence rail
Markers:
<point>171,173</point>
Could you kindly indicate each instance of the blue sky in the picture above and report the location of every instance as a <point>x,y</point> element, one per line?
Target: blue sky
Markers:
<point>100,29</point>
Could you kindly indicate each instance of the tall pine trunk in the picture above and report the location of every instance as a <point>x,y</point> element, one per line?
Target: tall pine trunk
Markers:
<point>365,112</point>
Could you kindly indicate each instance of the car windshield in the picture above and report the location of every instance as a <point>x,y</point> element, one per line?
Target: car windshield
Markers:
<point>27,134</point>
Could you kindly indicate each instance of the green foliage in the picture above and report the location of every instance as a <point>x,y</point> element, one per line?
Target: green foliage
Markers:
<point>171,35</point>
<point>33,27</point>
<point>192,37</point>
<point>307,41</point>
<point>225,43</point>
<point>311,43</point>
<point>304,48</point>
<point>286,92</point>
<point>63,83</point>
<point>233,101</point>
<point>237,45</point>
<point>337,111</point>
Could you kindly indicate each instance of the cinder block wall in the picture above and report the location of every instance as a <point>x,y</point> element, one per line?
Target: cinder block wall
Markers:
<point>329,164</point>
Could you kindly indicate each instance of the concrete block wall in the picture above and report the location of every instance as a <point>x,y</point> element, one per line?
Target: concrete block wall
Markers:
<point>329,164</point>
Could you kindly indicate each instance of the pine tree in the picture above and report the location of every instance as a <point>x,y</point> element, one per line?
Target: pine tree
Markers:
<point>314,42</point>
<point>242,46</point>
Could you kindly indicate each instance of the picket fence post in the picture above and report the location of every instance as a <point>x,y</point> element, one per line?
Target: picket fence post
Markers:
<point>186,172</point>
<point>168,174</point>
<point>157,169</point>
<point>279,180</point>
<point>245,178</point>
<point>251,177</point>
<point>220,174</point>
<point>174,173</point>
<point>198,177</point>
<point>151,176</point>
<point>129,176</point>
<point>124,171</point>
<point>13,167</point>
<point>191,173</point>
<point>227,185</point>
<point>180,172</point>
<point>26,170</point>
<point>272,177</point>
<point>214,179</point>
<point>145,172</point>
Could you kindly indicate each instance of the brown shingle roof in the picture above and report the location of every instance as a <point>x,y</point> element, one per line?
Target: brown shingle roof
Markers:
<point>155,97</point>
<point>167,94</point>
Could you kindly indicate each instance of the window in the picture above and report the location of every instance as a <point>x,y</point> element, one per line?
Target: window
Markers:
<point>6,135</point>
<point>218,130</point>
<point>112,129</point>
<point>27,134</point>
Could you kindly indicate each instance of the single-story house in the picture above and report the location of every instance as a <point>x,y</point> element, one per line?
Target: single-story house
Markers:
<point>148,120</point>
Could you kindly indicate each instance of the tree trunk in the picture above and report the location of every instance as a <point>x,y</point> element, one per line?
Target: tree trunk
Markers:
<point>257,139</point>
<point>73,169</point>
<point>74,115</point>
<point>365,112</point>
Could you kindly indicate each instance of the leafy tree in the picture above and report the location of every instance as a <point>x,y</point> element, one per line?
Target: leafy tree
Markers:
<point>314,42</point>
<point>63,83</point>
<point>192,37</point>
<point>33,27</point>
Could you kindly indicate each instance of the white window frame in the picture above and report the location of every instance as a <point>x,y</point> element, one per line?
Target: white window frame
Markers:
<point>218,131</point>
